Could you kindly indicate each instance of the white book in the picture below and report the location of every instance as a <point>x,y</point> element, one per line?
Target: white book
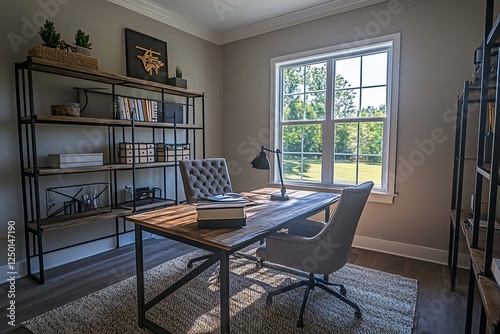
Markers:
<point>495,269</point>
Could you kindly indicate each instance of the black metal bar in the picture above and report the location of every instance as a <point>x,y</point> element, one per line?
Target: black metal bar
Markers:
<point>181,282</point>
<point>493,189</point>
<point>224,292</point>
<point>139,265</point>
<point>482,321</point>
<point>458,199</point>
<point>470,300</point>
<point>203,123</point>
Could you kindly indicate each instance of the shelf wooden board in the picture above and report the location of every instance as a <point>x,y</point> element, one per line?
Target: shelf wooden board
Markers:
<point>151,206</point>
<point>464,214</point>
<point>55,223</point>
<point>488,288</point>
<point>490,296</point>
<point>69,120</point>
<point>103,168</point>
<point>47,66</point>
<point>485,171</point>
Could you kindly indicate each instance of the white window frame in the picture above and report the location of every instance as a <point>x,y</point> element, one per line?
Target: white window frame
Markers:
<point>392,43</point>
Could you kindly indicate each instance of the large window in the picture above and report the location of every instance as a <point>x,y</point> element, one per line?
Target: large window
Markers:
<point>335,114</point>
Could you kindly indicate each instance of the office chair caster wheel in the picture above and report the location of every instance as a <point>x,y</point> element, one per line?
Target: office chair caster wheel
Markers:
<point>269,301</point>
<point>343,291</point>
<point>357,314</point>
<point>300,324</point>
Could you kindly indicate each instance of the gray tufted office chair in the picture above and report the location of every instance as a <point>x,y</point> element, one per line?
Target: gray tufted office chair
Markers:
<point>203,178</point>
<point>318,248</point>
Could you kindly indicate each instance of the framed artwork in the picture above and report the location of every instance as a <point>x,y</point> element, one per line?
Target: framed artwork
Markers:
<point>146,57</point>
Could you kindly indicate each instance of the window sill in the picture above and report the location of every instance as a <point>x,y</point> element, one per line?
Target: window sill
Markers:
<point>375,197</point>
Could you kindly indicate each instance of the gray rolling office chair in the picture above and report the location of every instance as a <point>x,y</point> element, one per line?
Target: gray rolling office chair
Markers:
<point>203,178</point>
<point>318,248</point>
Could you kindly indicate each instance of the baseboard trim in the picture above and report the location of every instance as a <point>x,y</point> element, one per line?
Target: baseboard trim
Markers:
<point>384,246</point>
<point>67,255</point>
<point>410,251</point>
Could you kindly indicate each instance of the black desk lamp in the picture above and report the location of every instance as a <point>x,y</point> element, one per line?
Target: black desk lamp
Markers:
<point>261,162</point>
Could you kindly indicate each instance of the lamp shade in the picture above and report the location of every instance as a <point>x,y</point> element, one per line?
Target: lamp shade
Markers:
<point>261,161</point>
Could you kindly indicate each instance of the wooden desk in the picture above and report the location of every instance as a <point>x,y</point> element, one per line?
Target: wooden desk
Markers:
<point>179,223</point>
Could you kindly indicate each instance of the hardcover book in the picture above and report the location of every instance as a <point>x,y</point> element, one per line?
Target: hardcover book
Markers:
<point>211,215</point>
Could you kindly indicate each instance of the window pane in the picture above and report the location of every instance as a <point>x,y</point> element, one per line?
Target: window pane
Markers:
<point>312,167</point>
<point>292,166</point>
<point>346,103</point>
<point>375,69</point>
<point>292,138</point>
<point>373,101</point>
<point>293,80</point>
<point>313,138</point>
<point>345,159</point>
<point>316,77</point>
<point>293,107</point>
<point>315,106</point>
<point>347,72</point>
<point>370,152</point>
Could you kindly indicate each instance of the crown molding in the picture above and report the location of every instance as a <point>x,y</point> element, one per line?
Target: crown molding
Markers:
<point>165,16</point>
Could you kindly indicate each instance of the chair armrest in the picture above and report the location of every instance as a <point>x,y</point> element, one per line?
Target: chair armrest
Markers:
<point>306,228</point>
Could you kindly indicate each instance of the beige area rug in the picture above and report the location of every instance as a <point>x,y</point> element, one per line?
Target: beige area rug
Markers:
<point>387,303</point>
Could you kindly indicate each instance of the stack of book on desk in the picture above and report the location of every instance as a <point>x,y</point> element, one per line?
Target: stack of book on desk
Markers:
<point>221,215</point>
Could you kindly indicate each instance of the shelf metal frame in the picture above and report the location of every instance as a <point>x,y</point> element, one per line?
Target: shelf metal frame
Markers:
<point>28,120</point>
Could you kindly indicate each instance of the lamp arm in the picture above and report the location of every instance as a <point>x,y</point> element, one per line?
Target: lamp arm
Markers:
<point>283,190</point>
<point>263,148</point>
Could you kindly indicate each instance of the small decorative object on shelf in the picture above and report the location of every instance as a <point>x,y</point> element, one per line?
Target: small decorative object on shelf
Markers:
<point>177,81</point>
<point>167,152</point>
<point>50,37</point>
<point>146,57</point>
<point>71,160</point>
<point>54,49</point>
<point>80,199</point>
<point>82,43</point>
<point>143,152</point>
<point>70,109</point>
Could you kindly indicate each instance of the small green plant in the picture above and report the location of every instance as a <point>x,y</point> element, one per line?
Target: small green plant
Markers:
<point>178,72</point>
<point>50,37</point>
<point>82,39</point>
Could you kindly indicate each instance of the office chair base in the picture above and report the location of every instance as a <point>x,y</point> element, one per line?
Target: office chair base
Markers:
<point>311,283</point>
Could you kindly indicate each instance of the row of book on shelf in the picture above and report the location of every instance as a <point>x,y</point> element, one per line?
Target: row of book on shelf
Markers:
<point>142,110</point>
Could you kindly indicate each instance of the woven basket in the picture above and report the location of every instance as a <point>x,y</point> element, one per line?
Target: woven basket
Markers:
<point>65,57</point>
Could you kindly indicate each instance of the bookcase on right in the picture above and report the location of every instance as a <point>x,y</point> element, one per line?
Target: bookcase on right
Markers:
<point>483,242</point>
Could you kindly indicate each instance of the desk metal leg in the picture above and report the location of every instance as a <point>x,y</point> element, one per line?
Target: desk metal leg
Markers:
<point>139,265</point>
<point>224,292</point>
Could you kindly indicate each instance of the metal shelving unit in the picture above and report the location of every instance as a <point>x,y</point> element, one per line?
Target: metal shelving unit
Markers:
<point>481,241</point>
<point>29,122</point>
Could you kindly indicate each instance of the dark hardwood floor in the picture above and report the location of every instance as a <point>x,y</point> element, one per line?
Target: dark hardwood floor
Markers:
<point>438,309</point>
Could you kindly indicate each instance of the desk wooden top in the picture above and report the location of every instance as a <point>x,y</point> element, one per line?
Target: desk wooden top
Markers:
<point>263,216</point>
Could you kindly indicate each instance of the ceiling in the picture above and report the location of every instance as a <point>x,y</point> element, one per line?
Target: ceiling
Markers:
<point>224,21</point>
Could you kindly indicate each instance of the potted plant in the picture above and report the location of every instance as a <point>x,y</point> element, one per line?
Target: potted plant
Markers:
<point>82,44</point>
<point>177,81</point>
<point>50,37</point>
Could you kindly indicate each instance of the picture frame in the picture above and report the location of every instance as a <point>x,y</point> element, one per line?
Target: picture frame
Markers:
<point>146,57</point>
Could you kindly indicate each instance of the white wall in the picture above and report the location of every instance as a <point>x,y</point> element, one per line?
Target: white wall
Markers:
<point>202,66</point>
<point>437,43</point>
